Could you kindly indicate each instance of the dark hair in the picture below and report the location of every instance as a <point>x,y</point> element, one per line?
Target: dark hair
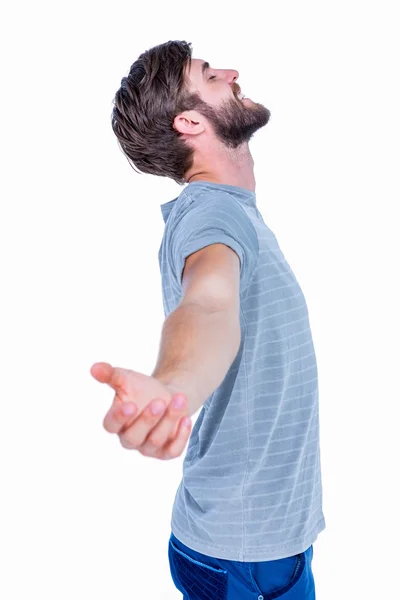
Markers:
<point>150,97</point>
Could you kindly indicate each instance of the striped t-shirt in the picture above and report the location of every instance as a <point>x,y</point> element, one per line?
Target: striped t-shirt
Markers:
<point>251,483</point>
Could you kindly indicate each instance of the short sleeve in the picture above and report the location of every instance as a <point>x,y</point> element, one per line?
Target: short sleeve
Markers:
<point>215,218</point>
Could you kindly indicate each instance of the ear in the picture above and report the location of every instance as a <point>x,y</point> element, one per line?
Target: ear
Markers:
<point>188,123</point>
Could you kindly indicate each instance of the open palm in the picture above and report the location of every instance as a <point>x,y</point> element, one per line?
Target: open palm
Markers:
<point>162,435</point>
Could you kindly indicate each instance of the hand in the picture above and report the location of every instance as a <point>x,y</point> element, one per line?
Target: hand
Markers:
<point>160,436</point>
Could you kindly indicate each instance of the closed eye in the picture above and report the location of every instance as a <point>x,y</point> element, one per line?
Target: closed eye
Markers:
<point>212,77</point>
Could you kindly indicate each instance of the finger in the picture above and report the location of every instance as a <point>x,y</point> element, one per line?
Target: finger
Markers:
<point>134,435</point>
<point>177,446</point>
<point>167,429</point>
<point>155,430</point>
<point>118,416</point>
<point>115,377</point>
<point>101,371</point>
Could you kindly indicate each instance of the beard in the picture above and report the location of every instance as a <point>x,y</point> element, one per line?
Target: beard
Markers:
<point>235,123</point>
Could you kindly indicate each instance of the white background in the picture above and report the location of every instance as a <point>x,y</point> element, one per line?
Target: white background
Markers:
<point>81,517</point>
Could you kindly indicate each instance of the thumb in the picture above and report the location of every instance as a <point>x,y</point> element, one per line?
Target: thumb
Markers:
<point>113,376</point>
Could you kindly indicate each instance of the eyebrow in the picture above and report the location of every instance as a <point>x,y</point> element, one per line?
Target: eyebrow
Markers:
<point>204,67</point>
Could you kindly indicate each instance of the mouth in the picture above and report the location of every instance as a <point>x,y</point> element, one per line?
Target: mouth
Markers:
<point>237,92</point>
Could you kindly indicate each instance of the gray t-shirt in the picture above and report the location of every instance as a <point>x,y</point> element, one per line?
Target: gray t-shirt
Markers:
<point>251,486</point>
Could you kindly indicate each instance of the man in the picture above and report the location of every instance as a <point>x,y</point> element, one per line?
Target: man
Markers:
<point>236,343</point>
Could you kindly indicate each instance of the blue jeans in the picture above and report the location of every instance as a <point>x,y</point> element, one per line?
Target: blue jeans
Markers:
<point>201,577</point>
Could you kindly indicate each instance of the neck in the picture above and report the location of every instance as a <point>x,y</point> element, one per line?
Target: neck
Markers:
<point>231,167</point>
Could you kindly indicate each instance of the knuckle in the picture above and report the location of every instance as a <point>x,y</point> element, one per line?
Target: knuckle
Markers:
<point>109,426</point>
<point>173,452</point>
<point>177,453</point>
<point>156,440</point>
<point>111,422</point>
<point>126,443</point>
<point>144,452</point>
<point>149,450</point>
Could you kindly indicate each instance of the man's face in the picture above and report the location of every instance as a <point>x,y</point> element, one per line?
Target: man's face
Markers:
<point>234,120</point>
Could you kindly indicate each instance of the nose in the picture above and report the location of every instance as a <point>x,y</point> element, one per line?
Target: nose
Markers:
<point>232,75</point>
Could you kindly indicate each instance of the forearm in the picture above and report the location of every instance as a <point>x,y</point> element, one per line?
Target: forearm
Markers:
<point>197,348</point>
